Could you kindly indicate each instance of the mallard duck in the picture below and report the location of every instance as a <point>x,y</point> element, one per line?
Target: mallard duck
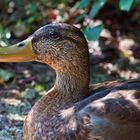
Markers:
<point>73,110</point>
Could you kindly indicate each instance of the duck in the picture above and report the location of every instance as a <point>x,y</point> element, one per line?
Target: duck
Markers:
<point>72,109</point>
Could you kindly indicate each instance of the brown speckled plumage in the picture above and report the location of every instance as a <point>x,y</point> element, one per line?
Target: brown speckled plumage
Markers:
<point>72,110</point>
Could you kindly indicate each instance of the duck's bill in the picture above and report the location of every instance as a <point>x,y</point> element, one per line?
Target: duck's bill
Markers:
<point>21,52</point>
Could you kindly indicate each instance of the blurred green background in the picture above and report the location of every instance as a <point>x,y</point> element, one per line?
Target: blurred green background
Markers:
<point>112,29</point>
<point>19,18</point>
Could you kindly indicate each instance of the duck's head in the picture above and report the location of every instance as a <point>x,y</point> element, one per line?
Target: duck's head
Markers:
<point>60,45</point>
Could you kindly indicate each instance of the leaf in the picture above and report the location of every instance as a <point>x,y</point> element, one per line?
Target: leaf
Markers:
<point>84,3</point>
<point>96,7</point>
<point>125,5</point>
<point>19,2</point>
<point>1,29</point>
<point>65,2</point>
<point>39,87</point>
<point>75,7</point>
<point>5,75</point>
<point>29,93</point>
<point>93,33</point>
<point>62,12</point>
<point>80,18</point>
<point>31,8</point>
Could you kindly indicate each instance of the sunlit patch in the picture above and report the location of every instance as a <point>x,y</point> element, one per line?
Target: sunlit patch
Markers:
<point>72,125</point>
<point>16,117</point>
<point>97,105</point>
<point>66,113</point>
<point>11,101</point>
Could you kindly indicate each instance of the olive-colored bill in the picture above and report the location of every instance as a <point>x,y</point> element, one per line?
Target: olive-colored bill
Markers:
<point>21,52</point>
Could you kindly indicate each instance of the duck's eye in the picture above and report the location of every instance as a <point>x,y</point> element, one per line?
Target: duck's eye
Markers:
<point>53,35</point>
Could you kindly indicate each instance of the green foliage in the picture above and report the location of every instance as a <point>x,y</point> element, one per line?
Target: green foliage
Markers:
<point>20,18</point>
<point>80,18</point>
<point>39,87</point>
<point>4,35</point>
<point>96,7</point>
<point>125,5</point>
<point>84,3</point>
<point>29,94</point>
<point>93,33</point>
<point>5,75</point>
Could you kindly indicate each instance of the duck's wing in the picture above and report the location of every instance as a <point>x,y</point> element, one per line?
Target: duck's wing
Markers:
<point>104,85</point>
<point>117,103</point>
<point>113,110</point>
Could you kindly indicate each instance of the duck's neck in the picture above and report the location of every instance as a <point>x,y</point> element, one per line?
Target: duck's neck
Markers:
<point>73,85</point>
<point>69,88</point>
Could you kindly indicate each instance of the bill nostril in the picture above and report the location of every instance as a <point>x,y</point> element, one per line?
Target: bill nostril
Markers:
<point>21,44</point>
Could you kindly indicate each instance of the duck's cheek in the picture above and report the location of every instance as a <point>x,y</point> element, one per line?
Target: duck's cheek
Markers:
<point>51,61</point>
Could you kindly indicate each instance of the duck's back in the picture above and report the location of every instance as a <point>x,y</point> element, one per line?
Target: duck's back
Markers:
<point>113,111</point>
